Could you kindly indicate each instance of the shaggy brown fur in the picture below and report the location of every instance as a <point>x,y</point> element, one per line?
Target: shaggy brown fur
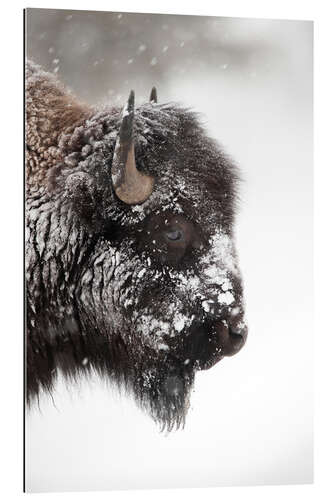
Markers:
<point>50,111</point>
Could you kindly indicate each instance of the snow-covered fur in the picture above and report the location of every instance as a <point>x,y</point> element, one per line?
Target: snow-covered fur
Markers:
<point>107,289</point>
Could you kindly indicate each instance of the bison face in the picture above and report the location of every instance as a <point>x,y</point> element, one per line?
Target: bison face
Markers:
<point>159,294</point>
<point>180,288</point>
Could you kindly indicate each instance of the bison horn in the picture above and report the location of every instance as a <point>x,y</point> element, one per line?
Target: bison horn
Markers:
<point>153,95</point>
<point>130,185</point>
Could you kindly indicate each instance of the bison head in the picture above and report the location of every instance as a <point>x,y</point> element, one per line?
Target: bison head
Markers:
<point>144,285</point>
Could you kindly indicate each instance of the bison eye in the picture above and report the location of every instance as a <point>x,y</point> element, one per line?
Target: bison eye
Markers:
<point>174,235</point>
<point>169,237</point>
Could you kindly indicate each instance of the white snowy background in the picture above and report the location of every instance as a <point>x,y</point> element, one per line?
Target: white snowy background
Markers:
<point>251,416</point>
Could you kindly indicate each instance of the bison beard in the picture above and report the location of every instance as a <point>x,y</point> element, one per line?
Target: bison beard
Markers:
<point>131,265</point>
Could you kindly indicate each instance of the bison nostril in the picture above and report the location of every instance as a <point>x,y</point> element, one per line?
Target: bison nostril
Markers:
<point>236,335</point>
<point>237,338</point>
<point>231,339</point>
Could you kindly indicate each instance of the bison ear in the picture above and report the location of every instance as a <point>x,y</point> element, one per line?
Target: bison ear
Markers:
<point>153,96</point>
<point>80,189</point>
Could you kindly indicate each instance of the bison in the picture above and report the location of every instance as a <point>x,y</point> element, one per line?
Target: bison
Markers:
<point>131,267</point>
